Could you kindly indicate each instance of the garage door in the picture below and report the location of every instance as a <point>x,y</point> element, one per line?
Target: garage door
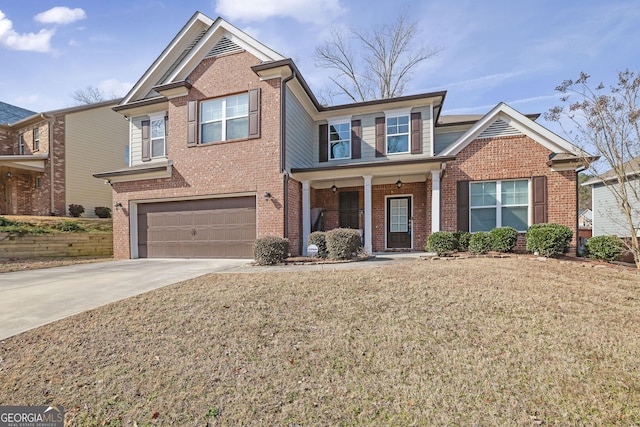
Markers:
<point>211,228</point>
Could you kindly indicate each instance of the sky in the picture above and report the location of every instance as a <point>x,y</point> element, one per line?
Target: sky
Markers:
<point>490,51</point>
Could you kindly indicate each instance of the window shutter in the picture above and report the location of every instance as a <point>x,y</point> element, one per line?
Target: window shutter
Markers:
<point>166,135</point>
<point>323,140</point>
<point>146,143</point>
<point>539,199</point>
<point>416,133</point>
<point>380,136</point>
<point>356,139</point>
<point>192,122</point>
<point>463,205</point>
<point>254,113</point>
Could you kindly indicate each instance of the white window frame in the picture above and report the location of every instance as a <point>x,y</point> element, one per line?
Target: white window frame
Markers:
<point>36,139</point>
<point>224,119</point>
<point>163,138</point>
<point>392,114</point>
<point>336,121</point>
<point>499,205</point>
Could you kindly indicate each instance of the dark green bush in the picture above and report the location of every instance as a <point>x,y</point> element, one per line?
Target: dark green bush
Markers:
<point>462,237</point>
<point>604,248</point>
<point>503,239</point>
<point>102,212</point>
<point>319,238</point>
<point>4,222</point>
<point>548,239</point>
<point>480,243</point>
<point>75,210</point>
<point>69,226</point>
<point>343,243</point>
<point>442,243</point>
<point>270,250</point>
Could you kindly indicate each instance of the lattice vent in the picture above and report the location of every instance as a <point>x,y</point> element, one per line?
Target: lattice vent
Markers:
<point>499,128</point>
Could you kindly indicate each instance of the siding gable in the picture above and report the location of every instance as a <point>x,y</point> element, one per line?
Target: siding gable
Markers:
<point>499,128</point>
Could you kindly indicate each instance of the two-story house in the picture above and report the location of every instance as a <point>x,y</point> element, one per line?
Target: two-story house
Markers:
<point>229,144</point>
<point>47,159</point>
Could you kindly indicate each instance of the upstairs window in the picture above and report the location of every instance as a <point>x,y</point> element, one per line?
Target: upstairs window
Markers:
<point>340,141</point>
<point>36,139</point>
<point>158,136</point>
<point>21,145</point>
<point>224,119</point>
<point>398,134</point>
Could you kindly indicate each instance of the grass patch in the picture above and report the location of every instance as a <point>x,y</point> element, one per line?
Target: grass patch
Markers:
<point>21,224</point>
<point>423,343</point>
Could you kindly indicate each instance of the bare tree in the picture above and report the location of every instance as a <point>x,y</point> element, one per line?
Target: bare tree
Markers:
<point>609,121</point>
<point>372,65</point>
<point>88,95</point>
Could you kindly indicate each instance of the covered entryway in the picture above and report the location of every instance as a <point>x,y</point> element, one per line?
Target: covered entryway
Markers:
<point>399,220</point>
<point>209,228</point>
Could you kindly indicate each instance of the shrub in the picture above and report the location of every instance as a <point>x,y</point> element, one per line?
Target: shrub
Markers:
<point>270,250</point>
<point>548,239</point>
<point>102,212</point>
<point>503,239</point>
<point>75,210</point>
<point>343,243</point>
<point>604,248</point>
<point>319,238</point>
<point>69,226</point>
<point>462,237</point>
<point>4,222</point>
<point>480,243</point>
<point>442,242</point>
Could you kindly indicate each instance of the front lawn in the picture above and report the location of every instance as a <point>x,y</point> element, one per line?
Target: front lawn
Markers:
<point>483,341</point>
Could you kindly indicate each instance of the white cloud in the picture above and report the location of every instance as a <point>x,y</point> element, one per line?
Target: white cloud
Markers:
<point>114,88</point>
<point>309,11</point>
<point>60,15</point>
<point>37,42</point>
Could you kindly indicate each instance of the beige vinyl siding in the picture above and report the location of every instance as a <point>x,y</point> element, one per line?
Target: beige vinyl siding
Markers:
<point>299,134</point>
<point>368,146</point>
<point>135,146</point>
<point>447,135</point>
<point>608,218</point>
<point>94,142</point>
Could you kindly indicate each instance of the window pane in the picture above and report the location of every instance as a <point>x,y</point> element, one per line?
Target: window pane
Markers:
<point>238,105</point>
<point>157,128</point>
<point>157,147</point>
<point>516,217</point>
<point>483,194</point>
<point>398,144</point>
<point>211,110</point>
<point>515,192</point>
<point>238,128</point>
<point>483,219</point>
<point>340,150</point>
<point>399,216</point>
<point>211,132</point>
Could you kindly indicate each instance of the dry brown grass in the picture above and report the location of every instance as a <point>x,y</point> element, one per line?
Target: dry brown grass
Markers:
<point>469,342</point>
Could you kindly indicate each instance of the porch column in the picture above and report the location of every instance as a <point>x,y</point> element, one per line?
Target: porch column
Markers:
<point>306,216</point>
<point>368,227</point>
<point>435,201</point>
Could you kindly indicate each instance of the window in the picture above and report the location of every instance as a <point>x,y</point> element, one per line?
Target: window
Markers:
<point>398,134</point>
<point>21,146</point>
<point>38,182</point>
<point>499,204</point>
<point>36,139</point>
<point>340,141</point>
<point>158,134</point>
<point>224,119</point>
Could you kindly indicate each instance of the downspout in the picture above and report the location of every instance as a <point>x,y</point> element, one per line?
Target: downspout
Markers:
<point>580,169</point>
<point>52,121</point>
<point>283,150</point>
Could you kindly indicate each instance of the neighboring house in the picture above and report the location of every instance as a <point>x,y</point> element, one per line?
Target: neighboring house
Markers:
<point>585,218</point>
<point>229,144</point>
<point>608,217</point>
<point>46,159</point>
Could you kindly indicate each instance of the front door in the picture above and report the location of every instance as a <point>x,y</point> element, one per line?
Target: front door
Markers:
<point>399,223</point>
<point>349,210</point>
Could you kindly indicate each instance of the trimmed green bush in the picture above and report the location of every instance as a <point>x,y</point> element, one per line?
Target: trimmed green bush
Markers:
<point>75,210</point>
<point>604,248</point>
<point>442,243</point>
<point>503,239</point>
<point>270,250</point>
<point>343,243</point>
<point>102,212</point>
<point>319,238</point>
<point>462,237</point>
<point>548,239</point>
<point>69,226</point>
<point>480,243</point>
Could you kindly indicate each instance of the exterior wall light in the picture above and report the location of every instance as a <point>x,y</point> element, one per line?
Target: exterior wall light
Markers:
<point>334,188</point>
<point>267,196</point>
<point>399,184</point>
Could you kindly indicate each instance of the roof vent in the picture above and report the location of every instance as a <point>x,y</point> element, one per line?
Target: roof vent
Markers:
<point>499,128</point>
<point>223,47</point>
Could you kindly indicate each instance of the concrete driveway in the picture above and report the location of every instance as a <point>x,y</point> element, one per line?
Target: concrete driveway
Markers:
<point>29,299</point>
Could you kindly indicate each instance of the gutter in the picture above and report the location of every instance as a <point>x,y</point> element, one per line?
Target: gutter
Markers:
<point>283,150</point>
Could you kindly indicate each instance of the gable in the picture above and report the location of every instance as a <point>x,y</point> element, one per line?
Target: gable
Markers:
<point>499,127</point>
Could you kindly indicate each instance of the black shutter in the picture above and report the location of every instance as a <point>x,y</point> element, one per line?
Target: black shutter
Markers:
<point>539,199</point>
<point>192,122</point>
<point>416,133</point>
<point>254,113</point>
<point>356,139</point>
<point>323,142</point>
<point>146,141</point>
<point>463,205</point>
<point>380,136</point>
